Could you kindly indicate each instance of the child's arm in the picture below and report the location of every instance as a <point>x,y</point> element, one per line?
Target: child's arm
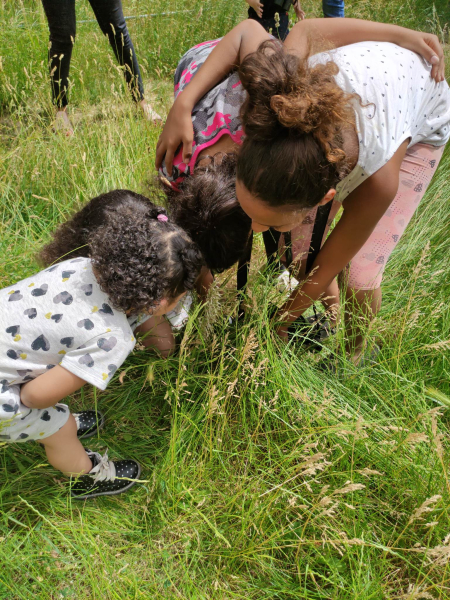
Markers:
<point>248,36</point>
<point>49,388</point>
<point>257,7</point>
<point>351,31</point>
<point>157,335</point>
<point>363,208</point>
<point>203,283</point>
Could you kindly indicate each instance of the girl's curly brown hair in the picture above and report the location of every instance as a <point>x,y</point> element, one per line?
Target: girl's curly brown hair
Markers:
<point>138,260</point>
<point>294,118</point>
<point>207,208</point>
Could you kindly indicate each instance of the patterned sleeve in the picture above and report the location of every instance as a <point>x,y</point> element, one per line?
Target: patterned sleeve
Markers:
<point>190,63</point>
<point>97,360</point>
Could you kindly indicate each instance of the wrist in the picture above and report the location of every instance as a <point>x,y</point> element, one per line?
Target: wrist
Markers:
<point>399,35</point>
<point>184,102</point>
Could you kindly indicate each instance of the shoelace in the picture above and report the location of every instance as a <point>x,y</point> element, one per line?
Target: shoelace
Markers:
<point>104,470</point>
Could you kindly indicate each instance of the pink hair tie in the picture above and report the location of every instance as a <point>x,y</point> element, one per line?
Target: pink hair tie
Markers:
<point>162,217</point>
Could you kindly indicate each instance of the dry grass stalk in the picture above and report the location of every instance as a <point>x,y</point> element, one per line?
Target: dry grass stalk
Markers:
<point>425,507</point>
<point>367,472</point>
<point>349,487</point>
<point>415,592</point>
<point>211,311</point>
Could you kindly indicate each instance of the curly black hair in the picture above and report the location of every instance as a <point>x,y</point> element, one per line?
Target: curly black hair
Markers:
<point>207,208</point>
<point>138,259</point>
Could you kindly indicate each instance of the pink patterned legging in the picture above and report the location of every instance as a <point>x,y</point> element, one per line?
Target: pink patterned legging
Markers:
<point>367,266</point>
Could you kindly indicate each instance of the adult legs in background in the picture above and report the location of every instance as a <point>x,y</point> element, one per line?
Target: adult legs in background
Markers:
<point>365,273</point>
<point>333,8</point>
<point>278,29</point>
<point>109,15</point>
<point>62,25</point>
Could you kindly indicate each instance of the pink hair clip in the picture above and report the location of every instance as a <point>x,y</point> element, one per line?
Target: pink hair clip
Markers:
<point>162,217</point>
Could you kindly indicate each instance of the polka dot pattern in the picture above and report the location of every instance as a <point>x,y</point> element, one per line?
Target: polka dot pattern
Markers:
<point>89,423</point>
<point>107,478</point>
<point>398,101</point>
<point>367,266</point>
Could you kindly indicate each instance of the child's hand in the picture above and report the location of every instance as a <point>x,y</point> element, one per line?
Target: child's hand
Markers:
<point>298,10</point>
<point>203,283</point>
<point>177,130</point>
<point>428,46</point>
<point>257,7</point>
<point>283,333</point>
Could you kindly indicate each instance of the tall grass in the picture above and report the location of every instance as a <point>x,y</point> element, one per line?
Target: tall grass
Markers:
<point>264,477</point>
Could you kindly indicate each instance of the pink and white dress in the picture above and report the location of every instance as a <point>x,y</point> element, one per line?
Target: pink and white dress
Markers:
<point>215,115</point>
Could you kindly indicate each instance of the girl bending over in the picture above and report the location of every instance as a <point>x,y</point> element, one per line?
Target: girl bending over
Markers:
<point>363,126</point>
<point>75,322</point>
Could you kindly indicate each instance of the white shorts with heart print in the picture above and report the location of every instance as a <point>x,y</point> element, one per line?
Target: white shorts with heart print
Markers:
<point>29,423</point>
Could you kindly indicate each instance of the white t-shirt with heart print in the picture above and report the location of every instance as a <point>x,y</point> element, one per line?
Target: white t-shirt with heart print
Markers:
<point>61,316</point>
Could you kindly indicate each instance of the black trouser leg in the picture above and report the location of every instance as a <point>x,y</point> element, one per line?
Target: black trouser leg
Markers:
<point>271,239</point>
<point>62,25</point>
<point>109,15</point>
<point>270,25</point>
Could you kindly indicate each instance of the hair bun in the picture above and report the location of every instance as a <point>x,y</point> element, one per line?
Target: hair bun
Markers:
<point>286,93</point>
<point>299,112</point>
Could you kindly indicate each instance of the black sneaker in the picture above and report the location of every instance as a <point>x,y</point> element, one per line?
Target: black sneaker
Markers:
<point>107,477</point>
<point>311,331</point>
<point>89,423</point>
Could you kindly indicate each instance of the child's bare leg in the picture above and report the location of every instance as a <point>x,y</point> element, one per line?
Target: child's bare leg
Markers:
<point>361,308</point>
<point>157,334</point>
<point>65,451</point>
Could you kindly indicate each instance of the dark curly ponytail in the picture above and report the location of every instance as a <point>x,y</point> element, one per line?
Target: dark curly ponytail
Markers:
<point>139,258</point>
<point>207,208</point>
<point>70,239</point>
<point>294,118</point>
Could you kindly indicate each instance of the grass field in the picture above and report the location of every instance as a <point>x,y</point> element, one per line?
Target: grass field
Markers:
<point>262,476</point>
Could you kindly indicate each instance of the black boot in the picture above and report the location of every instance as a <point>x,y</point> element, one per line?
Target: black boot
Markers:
<point>89,423</point>
<point>106,478</point>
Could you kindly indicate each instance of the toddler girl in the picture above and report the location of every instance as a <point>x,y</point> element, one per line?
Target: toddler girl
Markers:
<point>74,323</point>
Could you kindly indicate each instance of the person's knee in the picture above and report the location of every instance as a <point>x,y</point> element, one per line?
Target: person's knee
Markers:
<point>366,299</point>
<point>61,38</point>
<point>164,346</point>
<point>115,30</point>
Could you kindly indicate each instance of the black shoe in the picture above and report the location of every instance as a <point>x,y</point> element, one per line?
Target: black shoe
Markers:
<point>311,331</point>
<point>89,423</point>
<point>107,477</point>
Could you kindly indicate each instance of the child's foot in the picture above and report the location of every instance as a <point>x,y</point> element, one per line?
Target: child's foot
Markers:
<point>89,423</point>
<point>62,123</point>
<point>149,113</point>
<point>107,477</point>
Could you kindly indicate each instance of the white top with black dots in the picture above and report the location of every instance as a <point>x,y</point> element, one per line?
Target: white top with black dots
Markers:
<point>61,316</point>
<point>399,100</point>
